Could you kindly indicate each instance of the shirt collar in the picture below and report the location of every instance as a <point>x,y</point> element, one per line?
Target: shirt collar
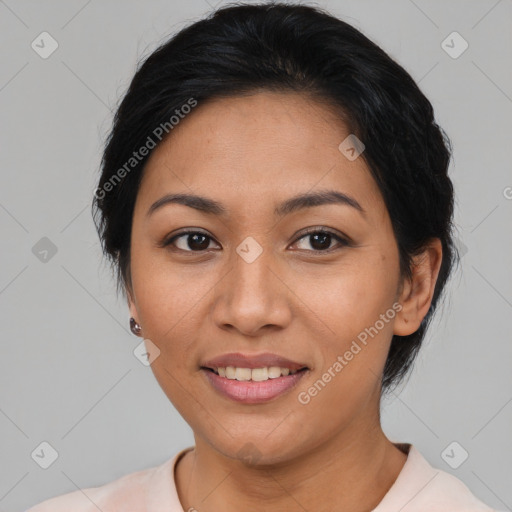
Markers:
<point>414,476</point>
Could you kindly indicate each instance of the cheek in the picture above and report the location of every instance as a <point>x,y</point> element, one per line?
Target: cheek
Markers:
<point>349,297</point>
<point>352,309</point>
<point>351,360</point>
<point>169,303</point>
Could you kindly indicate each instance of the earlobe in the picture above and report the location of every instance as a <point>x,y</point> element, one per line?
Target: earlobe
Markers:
<point>134,324</point>
<point>417,292</point>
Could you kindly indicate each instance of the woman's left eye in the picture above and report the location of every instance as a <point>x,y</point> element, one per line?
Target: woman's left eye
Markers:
<point>321,240</point>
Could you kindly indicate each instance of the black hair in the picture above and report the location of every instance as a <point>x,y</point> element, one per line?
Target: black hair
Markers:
<point>242,48</point>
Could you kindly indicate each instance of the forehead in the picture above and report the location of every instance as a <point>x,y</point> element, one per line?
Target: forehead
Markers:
<point>254,147</point>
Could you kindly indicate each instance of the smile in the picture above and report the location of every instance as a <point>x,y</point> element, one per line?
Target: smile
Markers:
<point>253,386</point>
<point>254,374</point>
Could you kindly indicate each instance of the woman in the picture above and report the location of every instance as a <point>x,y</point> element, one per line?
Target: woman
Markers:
<point>275,199</point>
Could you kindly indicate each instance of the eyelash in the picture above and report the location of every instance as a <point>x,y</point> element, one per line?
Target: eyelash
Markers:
<point>344,242</point>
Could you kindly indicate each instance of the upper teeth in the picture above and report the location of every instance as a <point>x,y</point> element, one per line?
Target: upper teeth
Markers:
<point>256,374</point>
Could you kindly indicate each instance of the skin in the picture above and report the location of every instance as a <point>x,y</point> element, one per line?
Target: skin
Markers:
<point>251,153</point>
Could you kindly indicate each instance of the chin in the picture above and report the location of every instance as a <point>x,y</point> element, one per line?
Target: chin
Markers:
<point>257,451</point>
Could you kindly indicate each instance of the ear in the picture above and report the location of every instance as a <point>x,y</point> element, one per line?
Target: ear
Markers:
<point>131,304</point>
<point>416,293</point>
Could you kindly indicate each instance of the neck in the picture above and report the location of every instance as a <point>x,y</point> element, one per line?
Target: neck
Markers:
<point>353,469</point>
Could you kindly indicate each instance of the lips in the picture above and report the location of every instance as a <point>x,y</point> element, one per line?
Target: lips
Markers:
<point>252,361</point>
<point>253,378</point>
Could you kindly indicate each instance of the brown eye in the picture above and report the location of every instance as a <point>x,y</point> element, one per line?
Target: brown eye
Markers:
<point>190,241</point>
<point>320,240</point>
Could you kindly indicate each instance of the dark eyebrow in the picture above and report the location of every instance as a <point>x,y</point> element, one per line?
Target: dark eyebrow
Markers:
<point>318,198</point>
<point>291,205</point>
<point>200,203</point>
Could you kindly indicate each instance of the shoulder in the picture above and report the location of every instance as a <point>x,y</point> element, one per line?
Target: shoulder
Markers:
<point>421,487</point>
<point>449,493</point>
<point>129,490</point>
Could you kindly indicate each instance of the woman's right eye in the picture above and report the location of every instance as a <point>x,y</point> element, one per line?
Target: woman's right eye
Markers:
<point>189,241</point>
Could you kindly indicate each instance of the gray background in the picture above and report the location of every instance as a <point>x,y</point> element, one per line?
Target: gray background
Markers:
<point>68,375</point>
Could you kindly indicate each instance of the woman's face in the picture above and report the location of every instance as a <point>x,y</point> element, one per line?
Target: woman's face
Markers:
<point>259,278</point>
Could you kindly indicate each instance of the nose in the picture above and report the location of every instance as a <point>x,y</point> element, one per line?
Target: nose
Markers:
<point>253,297</point>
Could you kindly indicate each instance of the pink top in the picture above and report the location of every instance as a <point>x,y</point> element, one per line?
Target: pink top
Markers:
<point>418,488</point>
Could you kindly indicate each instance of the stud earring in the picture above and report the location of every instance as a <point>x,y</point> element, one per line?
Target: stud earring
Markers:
<point>135,327</point>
